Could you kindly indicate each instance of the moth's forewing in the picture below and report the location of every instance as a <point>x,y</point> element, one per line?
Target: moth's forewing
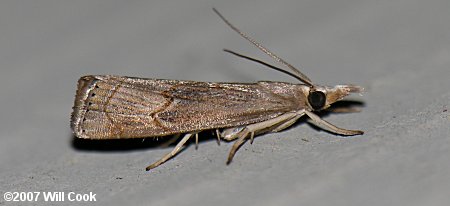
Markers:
<point>122,107</point>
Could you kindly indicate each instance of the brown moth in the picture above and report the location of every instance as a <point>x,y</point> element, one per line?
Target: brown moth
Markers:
<point>116,107</point>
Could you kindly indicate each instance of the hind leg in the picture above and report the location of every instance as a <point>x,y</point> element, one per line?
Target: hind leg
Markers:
<point>172,153</point>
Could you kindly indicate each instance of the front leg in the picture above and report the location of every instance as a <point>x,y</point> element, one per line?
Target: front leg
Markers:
<point>316,120</point>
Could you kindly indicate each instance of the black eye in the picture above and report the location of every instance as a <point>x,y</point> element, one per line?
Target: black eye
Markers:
<point>316,99</point>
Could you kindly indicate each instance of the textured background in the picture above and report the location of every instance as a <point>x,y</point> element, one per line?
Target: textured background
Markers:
<point>399,50</point>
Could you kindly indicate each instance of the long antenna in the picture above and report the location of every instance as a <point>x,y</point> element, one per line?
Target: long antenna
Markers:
<point>263,63</point>
<point>295,71</point>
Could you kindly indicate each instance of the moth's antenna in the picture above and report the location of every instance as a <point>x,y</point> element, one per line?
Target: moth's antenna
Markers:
<point>295,71</point>
<point>263,63</point>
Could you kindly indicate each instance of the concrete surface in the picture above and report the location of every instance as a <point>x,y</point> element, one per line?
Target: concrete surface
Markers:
<point>398,50</point>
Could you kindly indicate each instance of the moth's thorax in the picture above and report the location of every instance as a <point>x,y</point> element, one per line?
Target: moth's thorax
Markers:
<point>295,94</point>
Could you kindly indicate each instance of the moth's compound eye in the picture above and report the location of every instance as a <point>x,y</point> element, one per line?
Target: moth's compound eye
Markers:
<point>316,99</point>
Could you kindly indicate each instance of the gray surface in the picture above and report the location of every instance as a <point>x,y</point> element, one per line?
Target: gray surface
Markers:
<point>398,50</point>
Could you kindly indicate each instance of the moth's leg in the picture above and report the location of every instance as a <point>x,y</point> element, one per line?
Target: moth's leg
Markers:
<point>218,136</point>
<point>196,141</point>
<point>232,133</point>
<point>285,124</point>
<point>289,122</point>
<point>252,128</point>
<point>316,120</point>
<point>172,153</point>
<point>237,144</point>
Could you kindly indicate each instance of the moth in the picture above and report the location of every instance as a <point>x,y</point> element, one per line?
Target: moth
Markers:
<point>116,107</point>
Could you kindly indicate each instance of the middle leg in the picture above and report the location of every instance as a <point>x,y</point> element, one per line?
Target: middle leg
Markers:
<point>253,128</point>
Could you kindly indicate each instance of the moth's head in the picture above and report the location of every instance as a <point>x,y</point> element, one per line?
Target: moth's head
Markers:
<point>321,97</point>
